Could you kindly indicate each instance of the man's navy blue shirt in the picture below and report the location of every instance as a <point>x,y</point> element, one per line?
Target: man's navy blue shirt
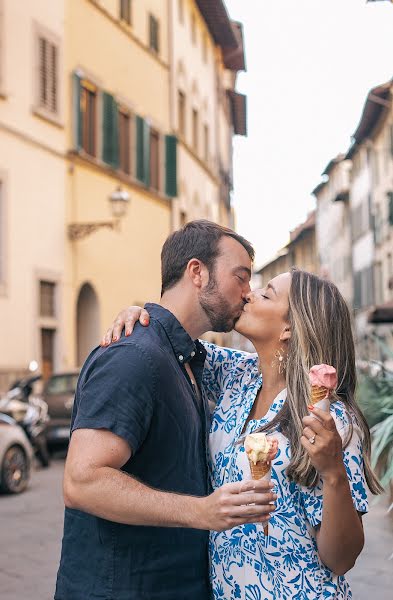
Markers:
<point>139,390</point>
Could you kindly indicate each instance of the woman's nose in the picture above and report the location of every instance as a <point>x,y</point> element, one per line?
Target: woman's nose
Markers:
<point>249,297</point>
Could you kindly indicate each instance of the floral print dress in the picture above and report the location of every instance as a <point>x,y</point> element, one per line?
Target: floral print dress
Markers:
<point>285,565</point>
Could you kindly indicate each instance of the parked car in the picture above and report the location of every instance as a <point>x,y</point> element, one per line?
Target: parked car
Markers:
<point>16,455</point>
<point>58,393</point>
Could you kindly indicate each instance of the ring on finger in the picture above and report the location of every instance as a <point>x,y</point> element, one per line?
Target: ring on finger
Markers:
<point>312,439</point>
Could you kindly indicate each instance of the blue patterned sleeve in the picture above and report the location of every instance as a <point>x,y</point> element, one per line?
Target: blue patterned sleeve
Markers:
<point>312,499</point>
<point>220,363</point>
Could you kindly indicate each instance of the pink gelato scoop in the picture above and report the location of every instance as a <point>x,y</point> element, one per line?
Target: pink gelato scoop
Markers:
<point>323,376</point>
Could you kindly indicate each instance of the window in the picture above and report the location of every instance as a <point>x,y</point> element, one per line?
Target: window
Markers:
<point>390,207</point>
<point>154,159</point>
<point>378,278</point>
<point>377,224</point>
<point>47,299</point>
<point>195,127</point>
<point>88,110</point>
<point>193,29</point>
<point>47,75</point>
<point>180,10</point>
<point>206,143</point>
<point>124,141</point>
<point>125,11</point>
<point>154,42</point>
<point>181,107</point>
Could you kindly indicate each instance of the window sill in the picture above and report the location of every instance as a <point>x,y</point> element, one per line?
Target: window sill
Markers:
<point>117,174</point>
<point>52,118</point>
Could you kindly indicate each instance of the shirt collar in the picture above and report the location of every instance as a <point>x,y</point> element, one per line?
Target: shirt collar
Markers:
<point>184,347</point>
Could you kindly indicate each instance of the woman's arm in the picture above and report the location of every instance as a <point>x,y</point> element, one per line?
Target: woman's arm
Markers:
<point>340,537</point>
<point>126,319</point>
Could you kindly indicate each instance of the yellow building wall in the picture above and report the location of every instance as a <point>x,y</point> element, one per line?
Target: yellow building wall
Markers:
<point>122,266</point>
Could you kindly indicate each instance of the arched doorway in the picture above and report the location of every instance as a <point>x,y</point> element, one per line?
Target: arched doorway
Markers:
<point>87,322</point>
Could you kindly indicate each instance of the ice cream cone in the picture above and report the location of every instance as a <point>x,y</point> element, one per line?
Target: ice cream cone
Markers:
<point>259,470</point>
<point>318,393</point>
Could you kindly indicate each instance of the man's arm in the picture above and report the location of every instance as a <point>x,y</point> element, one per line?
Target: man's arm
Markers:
<point>94,483</point>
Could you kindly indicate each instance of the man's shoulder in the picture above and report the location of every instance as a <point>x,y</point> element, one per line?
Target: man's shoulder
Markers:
<point>135,353</point>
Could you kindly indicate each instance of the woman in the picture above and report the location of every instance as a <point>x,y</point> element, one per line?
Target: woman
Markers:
<point>322,465</point>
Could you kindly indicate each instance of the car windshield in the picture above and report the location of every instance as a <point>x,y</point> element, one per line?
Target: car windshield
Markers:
<point>62,384</point>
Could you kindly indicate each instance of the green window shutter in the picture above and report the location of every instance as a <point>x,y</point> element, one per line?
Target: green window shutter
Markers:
<point>171,165</point>
<point>110,131</point>
<point>142,151</point>
<point>78,115</point>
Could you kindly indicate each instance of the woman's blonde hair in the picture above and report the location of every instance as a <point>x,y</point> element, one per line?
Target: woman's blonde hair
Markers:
<point>321,332</point>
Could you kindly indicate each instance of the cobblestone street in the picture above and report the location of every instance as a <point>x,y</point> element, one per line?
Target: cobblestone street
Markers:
<point>31,526</point>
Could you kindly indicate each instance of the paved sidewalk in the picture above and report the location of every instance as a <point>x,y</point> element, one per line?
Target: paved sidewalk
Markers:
<point>30,536</point>
<point>372,576</point>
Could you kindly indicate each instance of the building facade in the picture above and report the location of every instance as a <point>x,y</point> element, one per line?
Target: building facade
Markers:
<point>300,252</point>
<point>116,127</point>
<point>206,50</point>
<point>333,226</point>
<point>32,182</point>
<point>118,142</point>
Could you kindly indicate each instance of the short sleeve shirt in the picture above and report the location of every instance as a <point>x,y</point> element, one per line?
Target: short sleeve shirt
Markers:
<point>246,564</point>
<point>138,389</point>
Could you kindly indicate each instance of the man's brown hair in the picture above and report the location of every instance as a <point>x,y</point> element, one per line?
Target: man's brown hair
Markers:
<point>197,239</point>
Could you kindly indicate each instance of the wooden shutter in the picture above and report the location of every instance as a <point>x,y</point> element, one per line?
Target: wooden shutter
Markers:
<point>48,69</point>
<point>78,115</point>
<point>153,28</point>
<point>171,165</point>
<point>110,131</point>
<point>142,151</point>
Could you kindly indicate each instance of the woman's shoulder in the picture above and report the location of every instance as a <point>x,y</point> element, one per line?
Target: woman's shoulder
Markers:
<point>229,356</point>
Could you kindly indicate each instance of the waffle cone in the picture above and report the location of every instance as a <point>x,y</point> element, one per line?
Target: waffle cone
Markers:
<point>259,470</point>
<point>317,394</point>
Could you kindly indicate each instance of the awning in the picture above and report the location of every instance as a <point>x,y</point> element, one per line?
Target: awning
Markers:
<point>383,313</point>
<point>239,112</point>
<point>218,22</point>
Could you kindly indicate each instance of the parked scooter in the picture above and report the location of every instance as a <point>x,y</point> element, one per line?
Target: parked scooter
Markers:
<point>31,413</point>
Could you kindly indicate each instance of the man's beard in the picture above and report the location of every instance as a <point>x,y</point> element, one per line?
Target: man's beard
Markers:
<point>217,308</point>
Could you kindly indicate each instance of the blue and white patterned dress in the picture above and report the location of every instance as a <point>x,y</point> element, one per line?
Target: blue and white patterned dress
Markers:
<point>244,564</point>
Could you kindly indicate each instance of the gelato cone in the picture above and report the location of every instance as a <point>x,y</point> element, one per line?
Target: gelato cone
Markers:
<point>260,452</point>
<point>323,379</point>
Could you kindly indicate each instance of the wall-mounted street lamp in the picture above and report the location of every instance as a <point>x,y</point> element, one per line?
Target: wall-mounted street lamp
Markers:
<point>119,200</point>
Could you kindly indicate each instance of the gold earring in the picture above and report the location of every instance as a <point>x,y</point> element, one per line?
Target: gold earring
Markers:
<point>280,360</point>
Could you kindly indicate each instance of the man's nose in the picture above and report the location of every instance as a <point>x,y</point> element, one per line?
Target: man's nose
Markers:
<point>249,296</point>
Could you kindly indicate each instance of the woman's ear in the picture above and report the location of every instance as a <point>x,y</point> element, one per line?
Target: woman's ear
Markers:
<point>285,334</point>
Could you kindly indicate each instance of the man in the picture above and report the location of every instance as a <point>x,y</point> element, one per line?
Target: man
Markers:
<point>136,464</point>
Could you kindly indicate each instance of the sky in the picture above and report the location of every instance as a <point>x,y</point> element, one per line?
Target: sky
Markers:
<point>310,65</point>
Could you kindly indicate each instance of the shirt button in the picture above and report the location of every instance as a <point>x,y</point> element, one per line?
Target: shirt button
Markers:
<point>181,357</point>
<point>193,354</point>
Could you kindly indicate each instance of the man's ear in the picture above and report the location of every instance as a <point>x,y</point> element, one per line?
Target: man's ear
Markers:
<point>197,272</point>
<point>285,334</point>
